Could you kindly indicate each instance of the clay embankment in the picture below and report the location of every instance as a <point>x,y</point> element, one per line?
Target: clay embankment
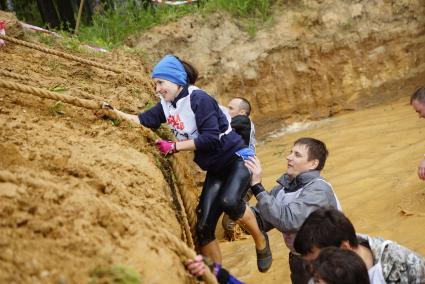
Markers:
<point>79,195</point>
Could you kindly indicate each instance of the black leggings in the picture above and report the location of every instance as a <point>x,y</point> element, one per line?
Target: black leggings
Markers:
<point>222,192</point>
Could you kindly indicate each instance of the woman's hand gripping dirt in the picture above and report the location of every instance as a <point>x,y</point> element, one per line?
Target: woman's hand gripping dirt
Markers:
<point>166,147</point>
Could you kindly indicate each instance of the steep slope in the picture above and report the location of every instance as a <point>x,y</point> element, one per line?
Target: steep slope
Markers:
<point>80,198</point>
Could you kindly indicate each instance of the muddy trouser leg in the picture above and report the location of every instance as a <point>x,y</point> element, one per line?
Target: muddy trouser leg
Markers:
<point>262,224</point>
<point>221,192</point>
<point>299,273</point>
<point>234,190</point>
<point>209,209</point>
<point>228,224</point>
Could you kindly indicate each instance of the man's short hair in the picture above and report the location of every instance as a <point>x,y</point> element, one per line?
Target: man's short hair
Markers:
<point>335,265</point>
<point>418,95</point>
<point>245,105</point>
<point>325,227</point>
<point>316,150</point>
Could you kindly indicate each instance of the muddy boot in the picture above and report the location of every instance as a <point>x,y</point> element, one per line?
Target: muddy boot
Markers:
<point>228,227</point>
<point>264,256</point>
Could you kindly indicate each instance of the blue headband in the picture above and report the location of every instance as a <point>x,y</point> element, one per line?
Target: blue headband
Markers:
<point>170,69</point>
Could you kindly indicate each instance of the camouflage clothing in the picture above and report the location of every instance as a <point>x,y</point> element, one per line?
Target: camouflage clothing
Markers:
<point>399,264</point>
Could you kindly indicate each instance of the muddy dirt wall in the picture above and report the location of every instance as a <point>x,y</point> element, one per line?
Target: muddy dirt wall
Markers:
<point>316,59</point>
<point>81,198</point>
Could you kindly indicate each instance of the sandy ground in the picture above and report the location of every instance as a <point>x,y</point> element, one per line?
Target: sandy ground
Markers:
<point>372,165</point>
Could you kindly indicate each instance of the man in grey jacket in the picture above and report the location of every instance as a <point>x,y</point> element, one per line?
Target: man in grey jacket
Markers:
<point>299,191</point>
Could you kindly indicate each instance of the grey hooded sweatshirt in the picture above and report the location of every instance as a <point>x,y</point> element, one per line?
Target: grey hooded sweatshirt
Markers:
<point>290,202</point>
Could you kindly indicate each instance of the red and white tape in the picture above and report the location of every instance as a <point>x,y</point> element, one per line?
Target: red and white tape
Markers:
<point>173,2</point>
<point>38,29</point>
<point>2,32</point>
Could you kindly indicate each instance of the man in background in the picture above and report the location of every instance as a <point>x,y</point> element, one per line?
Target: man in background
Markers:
<point>417,101</point>
<point>239,110</point>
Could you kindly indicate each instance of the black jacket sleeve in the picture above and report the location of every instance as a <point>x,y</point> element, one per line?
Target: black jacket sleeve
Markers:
<point>242,126</point>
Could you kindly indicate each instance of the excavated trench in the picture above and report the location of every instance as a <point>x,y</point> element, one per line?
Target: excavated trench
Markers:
<point>316,60</point>
<point>82,198</point>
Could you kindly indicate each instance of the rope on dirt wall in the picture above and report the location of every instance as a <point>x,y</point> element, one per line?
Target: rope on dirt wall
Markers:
<point>79,93</point>
<point>181,175</point>
<point>61,54</point>
<point>14,75</point>
<point>185,251</point>
<point>89,104</point>
<point>182,250</point>
<point>189,223</point>
<point>187,229</point>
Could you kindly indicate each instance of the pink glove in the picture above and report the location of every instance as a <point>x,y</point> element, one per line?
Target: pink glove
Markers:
<point>166,147</point>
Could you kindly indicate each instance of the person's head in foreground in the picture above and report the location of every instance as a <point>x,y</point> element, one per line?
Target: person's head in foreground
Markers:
<point>323,228</point>
<point>337,266</point>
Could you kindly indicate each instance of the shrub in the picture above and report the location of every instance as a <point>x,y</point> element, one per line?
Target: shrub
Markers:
<point>111,27</point>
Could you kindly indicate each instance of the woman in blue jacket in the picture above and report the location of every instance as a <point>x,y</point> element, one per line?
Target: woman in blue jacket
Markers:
<point>201,125</point>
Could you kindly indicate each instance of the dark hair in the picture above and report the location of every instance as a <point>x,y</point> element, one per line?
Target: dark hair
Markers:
<point>192,73</point>
<point>418,95</point>
<point>324,227</point>
<point>336,266</point>
<point>245,105</point>
<point>316,150</point>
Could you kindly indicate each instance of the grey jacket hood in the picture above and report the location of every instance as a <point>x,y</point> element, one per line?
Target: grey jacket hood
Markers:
<point>299,181</point>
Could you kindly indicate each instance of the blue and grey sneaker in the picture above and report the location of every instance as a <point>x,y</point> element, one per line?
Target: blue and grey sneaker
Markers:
<point>264,256</point>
